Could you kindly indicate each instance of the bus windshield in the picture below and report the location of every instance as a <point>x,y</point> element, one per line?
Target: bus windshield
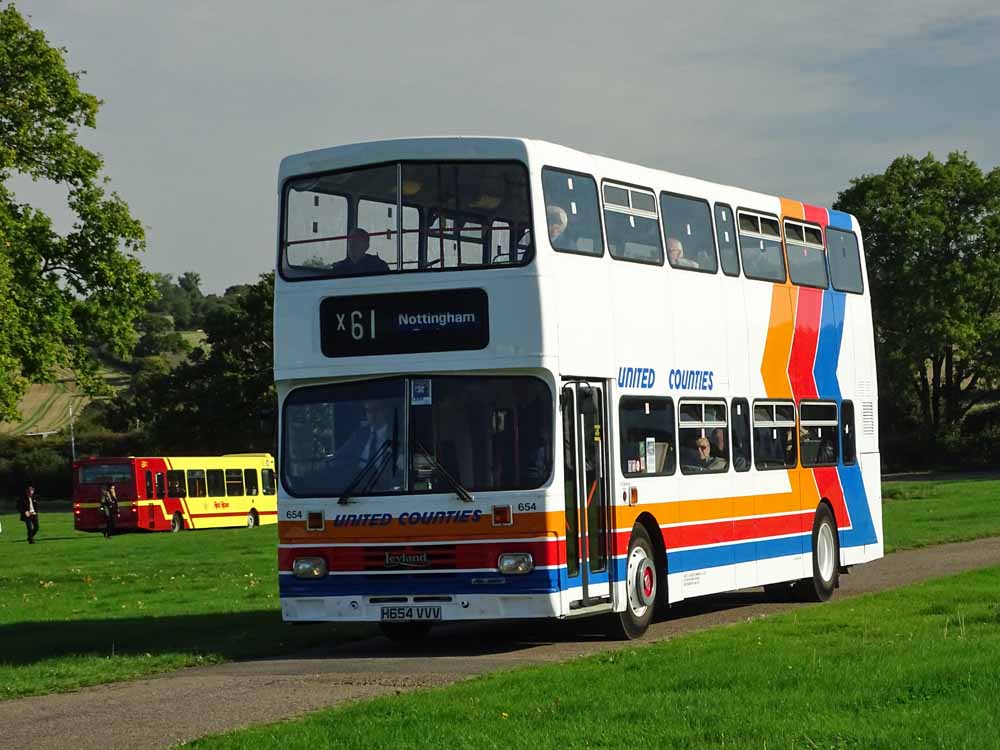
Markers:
<point>487,433</point>
<point>423,216</point>
<point>104,473</point>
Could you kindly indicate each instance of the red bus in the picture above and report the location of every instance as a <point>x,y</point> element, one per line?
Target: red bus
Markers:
<point>176,493</point>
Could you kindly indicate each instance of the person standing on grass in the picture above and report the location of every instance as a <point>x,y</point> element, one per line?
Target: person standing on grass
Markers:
<point>27,506</point>
<point>109,507</point>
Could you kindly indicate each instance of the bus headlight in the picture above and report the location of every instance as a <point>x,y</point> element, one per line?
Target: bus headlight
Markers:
<point>516,563</point>
<point>309,567</point>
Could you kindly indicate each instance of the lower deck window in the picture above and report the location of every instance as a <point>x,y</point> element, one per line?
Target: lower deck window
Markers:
<point>647,436</point>
<point>704,437</point>
<point>774,435</point>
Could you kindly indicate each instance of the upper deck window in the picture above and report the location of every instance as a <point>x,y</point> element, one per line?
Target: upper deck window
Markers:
<point>806,258</point>
<point>725,233</point>
<point>760,246</point>
<point>408,216</point>
<point>571,212</point>
<point>631,223</point>
<point>687,225</point>
<point>845,261</point>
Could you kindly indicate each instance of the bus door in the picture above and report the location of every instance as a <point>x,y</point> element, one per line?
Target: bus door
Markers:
<point>586,486</point>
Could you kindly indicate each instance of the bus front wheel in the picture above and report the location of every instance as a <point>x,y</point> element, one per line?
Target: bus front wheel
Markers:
<point>825,559</point>
<point>640,587</point>
<point>177,523</point>
<point>252,519</point>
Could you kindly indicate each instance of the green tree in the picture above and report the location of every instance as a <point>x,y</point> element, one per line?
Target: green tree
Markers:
<point>61,296</point>
<point>159,337</point>
<point>932,237</point>
<point>216,401</point>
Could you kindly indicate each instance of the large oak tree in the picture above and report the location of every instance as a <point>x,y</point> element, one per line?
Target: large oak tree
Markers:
<point>932,237</point>
<point>61,295</point>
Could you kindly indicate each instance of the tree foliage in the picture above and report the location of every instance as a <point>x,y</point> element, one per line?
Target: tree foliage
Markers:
<point>61,296</point>
<point>932,237</point>
<point>218,400</point>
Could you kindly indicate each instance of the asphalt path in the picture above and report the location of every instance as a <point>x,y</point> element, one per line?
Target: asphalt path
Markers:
<point>182,706</point>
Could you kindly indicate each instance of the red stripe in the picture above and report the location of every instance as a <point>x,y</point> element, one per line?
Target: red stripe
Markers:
<point>458,556</point>
<point>828,484</point>
<point>722,532</point>
<point>803,355</point>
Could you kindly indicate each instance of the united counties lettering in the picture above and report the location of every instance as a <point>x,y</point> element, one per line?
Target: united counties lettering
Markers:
<point>636,377</point>
<point>691,380</point>
<point>415,518</point>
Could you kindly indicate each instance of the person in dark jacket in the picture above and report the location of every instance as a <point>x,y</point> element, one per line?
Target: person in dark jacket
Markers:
<point>109,507</point>
<point>27,506</point>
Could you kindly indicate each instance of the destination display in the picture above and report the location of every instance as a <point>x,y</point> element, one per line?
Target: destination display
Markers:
<point>406,323</point>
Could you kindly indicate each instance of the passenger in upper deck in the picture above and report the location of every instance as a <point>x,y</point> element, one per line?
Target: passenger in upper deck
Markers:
<point>675,254</point>
<point>358,260</point>
<point>558,221</point>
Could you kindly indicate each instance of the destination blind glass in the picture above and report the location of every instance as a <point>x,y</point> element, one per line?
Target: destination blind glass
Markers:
<point>370,324</point>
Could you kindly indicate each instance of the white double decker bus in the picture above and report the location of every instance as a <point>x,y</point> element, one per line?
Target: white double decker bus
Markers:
<point>520,381</point>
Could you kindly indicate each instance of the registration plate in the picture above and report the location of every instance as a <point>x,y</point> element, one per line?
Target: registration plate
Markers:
<point>403,614</point>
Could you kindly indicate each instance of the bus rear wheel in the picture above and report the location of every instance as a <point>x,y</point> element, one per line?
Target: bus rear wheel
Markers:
<point>405,632</point>
<point>253,520</point>
<point>177,523</point>
<point>825,560</point>
<point>641,586</point>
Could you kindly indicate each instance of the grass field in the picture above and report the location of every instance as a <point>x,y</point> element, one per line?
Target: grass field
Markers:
<point>915,667</point>
<point>916,514</point>
<point>77,609</point>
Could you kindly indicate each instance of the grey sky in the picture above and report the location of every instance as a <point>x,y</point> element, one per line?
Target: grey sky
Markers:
<point>202,99</point>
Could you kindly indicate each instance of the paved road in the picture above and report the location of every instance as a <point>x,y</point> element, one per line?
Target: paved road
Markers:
<point>182,706</point>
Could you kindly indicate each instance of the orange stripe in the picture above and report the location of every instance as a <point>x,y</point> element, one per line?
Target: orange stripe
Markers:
<point>540,524</point>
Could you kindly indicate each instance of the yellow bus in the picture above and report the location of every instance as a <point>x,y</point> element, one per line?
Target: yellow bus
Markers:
<point>176,493</point>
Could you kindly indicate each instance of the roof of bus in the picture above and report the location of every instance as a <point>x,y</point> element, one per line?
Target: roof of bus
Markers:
<point>503,148</point>
<point>128,459</point>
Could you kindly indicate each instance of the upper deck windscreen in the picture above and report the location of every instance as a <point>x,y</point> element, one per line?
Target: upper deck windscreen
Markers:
<point>407,216</point>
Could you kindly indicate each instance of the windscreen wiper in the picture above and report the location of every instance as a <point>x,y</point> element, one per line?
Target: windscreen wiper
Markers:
<point>368,471</point>
<point>462,493</point>
<point>373,467</point>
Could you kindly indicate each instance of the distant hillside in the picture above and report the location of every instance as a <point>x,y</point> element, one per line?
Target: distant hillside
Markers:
<point>45,408</point>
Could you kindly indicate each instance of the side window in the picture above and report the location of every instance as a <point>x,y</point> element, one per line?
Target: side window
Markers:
<point>234,482</point>
<point>760,247</point>
<point>175,484</point>
<point>216,483</point>
<point>687,227</point>
<point>847,439</point>
<point>196,483</point>
<point>704,437</point>
<point>159,485</point>
<point>741,434</point>
<point>817,433</point>
<point>149,483</point>
<point>725,234</point>
<point>647,436</point>
<point>250,478</point>
<point>267,480</point>
<point>806,258</point>
<point>774,435</point>
<point>631,224</point>
<point>571,212</point>
<point>845,261</point>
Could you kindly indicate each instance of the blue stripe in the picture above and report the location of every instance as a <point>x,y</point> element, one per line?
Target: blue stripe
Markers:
<point>840,220</point>
<point>831,334</point>
<point>716,557</point>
